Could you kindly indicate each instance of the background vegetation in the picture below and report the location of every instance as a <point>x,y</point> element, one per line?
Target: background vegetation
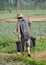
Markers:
<point>9,36</point>
<point>18,4</point>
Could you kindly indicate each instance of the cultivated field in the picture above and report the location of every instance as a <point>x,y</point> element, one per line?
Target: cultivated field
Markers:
<point>6,14</point>
<point>9,35</point>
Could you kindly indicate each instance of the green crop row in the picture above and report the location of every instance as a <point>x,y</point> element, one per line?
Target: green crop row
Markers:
<point>25,13</point>
<point>9,36</point>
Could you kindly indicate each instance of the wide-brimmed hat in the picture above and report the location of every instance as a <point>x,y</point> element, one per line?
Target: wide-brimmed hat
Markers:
<point>19,15</point>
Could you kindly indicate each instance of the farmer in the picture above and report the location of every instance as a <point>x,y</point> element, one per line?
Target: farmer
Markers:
<point>24,32</point>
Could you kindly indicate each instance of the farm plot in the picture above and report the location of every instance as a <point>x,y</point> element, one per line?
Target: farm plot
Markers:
<point>13,14</point>
<point>8,36</point>
<point>8,29</point>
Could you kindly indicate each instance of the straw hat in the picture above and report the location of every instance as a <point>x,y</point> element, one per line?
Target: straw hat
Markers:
<point>19,15</point>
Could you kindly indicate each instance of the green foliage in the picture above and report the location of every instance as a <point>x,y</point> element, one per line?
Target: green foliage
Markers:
<point>8,36</point>
<point>13,57</point>
<point>10,10</point>
<point>24,59</point>
<point>38,29</point>
<point>8,48</point>
<point>27,13</point>
<point>27,60</point>
<point>42,63</point>
<point>30,4</point>
<point>40,45</point>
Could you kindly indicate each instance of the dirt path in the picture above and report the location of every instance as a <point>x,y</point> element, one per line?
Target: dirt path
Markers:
<point>36,55</point>
<point>12,63</point>
<point>30,18</point>
<point>39,55</point>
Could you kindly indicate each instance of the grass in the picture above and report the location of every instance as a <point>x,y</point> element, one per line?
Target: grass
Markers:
<point>8,36</point>
<point>11,47</point>
<point>25,13</point>
<point>40,45</point>
<point>14,57</point>
<point>25,59</point>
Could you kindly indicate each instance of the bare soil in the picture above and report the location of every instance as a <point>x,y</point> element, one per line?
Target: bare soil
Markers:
<point>39,55</point>
<point>36,55</point>
<point>30,19</point>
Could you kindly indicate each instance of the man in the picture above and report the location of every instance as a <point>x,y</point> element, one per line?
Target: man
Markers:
<point>24,31</point>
